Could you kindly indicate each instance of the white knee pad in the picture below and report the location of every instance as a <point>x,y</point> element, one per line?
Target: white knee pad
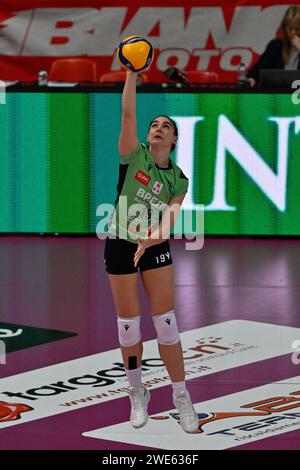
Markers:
<point>166,328</point>
<point>129,331</point>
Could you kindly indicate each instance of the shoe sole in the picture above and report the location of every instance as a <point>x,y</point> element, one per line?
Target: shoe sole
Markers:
<point>191,432</point>
<point>194,430</point>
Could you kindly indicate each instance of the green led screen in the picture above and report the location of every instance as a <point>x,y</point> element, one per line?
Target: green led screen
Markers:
<point>59,158</point>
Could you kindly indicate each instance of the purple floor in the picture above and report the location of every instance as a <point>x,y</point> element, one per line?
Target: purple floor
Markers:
<point>59,283</point>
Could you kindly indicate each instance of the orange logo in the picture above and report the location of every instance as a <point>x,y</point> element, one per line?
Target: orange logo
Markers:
<point>12,411</point>
<point>265,407</point>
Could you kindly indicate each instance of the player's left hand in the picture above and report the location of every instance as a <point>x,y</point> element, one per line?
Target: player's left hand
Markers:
<point>142,245</point>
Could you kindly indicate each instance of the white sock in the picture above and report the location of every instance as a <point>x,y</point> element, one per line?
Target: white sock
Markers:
<point>134,377</point>
<point>178,387</point>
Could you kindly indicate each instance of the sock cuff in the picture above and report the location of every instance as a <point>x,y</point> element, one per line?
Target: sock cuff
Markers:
<point>178,387</point>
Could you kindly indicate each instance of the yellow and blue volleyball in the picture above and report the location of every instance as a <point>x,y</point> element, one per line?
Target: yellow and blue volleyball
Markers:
<point>135,53</point>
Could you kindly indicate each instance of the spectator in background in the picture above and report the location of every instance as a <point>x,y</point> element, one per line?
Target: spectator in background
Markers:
<point>282,52</point>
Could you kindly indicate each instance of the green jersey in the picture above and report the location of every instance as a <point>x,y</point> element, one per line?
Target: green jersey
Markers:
<point>144,191</point>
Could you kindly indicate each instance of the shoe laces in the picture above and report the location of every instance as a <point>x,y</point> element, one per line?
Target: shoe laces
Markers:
<point>184,403</point>
<point>137,397</point>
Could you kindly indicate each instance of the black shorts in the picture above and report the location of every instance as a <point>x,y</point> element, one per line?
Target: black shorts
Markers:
<point>119,255</point>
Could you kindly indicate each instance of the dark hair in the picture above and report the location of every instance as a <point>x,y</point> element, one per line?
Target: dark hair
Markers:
<point>174,125</point>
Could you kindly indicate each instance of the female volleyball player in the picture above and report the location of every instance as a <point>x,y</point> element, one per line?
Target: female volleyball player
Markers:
<point>151,186</point>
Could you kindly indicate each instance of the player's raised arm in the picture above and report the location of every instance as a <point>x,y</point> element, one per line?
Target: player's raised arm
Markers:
<point>128,140</point>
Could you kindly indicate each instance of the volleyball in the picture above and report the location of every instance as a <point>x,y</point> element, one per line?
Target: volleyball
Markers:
<point>135,53</point>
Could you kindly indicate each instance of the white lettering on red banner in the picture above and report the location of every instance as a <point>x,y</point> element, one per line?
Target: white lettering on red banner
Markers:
<point>198,38</point>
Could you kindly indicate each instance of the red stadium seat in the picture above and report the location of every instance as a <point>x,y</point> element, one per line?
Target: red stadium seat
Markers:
<point>119,77</point>
<point>75,69</point>
<point>202,76</point>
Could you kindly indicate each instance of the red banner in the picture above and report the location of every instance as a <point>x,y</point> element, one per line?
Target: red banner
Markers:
<point>205,35</point>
